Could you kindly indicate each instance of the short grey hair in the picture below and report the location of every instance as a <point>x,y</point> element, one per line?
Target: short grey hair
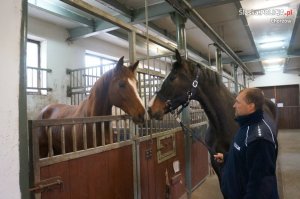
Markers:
<point>256,96</point>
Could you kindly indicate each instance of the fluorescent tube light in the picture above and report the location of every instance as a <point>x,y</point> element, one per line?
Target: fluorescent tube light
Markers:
<point>273,44</point>
<point>273,68</point>
<point>273,61</point>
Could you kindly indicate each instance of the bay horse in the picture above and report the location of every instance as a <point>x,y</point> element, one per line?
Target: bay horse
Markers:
<point>117,87</point>
<point>188,81</point>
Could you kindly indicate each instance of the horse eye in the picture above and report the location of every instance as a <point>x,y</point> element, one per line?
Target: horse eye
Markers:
<point>122,84</point>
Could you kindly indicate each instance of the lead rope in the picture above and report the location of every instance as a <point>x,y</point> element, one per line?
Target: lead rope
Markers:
<point>190,132</point>
<point>186,130</point>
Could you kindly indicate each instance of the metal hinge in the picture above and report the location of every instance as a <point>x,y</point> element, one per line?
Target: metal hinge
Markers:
<point>48,184</point>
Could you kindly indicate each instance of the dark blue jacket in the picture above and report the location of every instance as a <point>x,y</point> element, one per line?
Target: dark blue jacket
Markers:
<point>249,170</point>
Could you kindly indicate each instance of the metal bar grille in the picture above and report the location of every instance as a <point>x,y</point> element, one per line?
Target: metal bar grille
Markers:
<point>110,129</point>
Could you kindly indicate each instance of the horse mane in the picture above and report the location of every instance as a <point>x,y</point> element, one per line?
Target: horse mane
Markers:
<point>102,83</point>
<point>210,75</point>
<point>97,100</point>
<point>217,101</point>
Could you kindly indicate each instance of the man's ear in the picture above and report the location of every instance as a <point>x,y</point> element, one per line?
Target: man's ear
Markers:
<point>251,107</point>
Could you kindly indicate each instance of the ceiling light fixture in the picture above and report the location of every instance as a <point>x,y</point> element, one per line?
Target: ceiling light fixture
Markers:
<point>273,44</point>
<point>273,68</point>
<point>273,61</point>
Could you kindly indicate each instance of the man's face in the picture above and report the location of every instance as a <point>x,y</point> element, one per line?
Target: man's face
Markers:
<point>241,106</point>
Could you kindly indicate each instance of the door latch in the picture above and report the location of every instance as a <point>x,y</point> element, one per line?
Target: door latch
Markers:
<point>48,184</point>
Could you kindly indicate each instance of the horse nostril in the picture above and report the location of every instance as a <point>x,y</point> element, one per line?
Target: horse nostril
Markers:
<point>141,118</point>
<point>149,111</point>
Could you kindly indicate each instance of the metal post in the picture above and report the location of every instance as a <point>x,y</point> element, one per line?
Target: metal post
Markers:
<point>25,174</point>
<point>219,61</point>
<point>132,45</point>
<point>245,79</point>
<point>235,76</point>
<point>180,32</point>
<point>136,160</point>
<point>132,127</point>
<point>181,45</point>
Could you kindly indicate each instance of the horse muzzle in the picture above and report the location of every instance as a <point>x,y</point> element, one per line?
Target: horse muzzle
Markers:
<point>140,119</point>
<point>155,115</point>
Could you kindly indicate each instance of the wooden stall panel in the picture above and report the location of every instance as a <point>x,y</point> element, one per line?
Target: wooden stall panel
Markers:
<point>154,183</point>
<point>289,115</point>
<point>107,175</point>
<point>59,169</point>
<point>289,118</point>
<point>121,173</point>
<point>199,158</point>
<point>287,97</point>
<point>199,163</point>
<point>174,184</point>
<point>147,168</point>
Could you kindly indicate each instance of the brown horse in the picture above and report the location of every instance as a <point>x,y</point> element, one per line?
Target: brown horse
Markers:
<point>117,87</point>
<point>188,81</point>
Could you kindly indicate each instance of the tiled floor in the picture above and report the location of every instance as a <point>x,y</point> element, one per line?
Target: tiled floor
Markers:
<point>288,165</point>
<point>209,189</point>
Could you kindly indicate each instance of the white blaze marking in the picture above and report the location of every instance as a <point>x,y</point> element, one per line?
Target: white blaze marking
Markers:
<point>133,84</point>
<point>150,103</point>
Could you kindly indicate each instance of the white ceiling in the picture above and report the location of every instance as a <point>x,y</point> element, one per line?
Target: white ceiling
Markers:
<point>243,34</point>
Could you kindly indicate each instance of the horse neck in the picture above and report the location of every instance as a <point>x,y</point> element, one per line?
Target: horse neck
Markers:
<point>217,103</point>
<point>98,101</point>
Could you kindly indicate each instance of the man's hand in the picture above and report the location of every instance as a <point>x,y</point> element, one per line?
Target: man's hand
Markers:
<point>219,157</point>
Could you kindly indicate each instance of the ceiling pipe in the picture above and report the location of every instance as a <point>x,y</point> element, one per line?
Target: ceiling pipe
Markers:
<point>186,10</point>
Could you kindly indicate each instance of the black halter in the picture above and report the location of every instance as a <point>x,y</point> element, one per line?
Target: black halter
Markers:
<point>174,103</point>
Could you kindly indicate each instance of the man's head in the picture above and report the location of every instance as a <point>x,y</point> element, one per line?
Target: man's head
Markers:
<point>248,101</point>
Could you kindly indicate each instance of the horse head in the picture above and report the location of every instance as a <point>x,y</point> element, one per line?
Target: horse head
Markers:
<point>123,91</point>
<point>177,89</point>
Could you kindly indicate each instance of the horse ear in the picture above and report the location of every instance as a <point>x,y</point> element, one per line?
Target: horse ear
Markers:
<point>178,57</point>
<point>134,66</point>
<point>120,63</point>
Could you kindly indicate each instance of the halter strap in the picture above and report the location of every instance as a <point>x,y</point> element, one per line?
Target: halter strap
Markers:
<point>188,131</point>
<point>173,102</point>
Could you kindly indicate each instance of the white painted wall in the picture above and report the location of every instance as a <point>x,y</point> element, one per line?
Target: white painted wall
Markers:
<point>9,87</point>
<point>60,56</point>
<point>275,79</point>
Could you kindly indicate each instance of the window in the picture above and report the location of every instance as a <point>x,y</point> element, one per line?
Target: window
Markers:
<point>36,75</point>
<point>96,65</point>
<point>93,60</point>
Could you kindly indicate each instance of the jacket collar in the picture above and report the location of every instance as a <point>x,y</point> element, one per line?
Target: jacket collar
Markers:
<point>250,119</point>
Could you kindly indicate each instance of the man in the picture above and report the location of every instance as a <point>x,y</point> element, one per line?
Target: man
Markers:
<point>249,168</point>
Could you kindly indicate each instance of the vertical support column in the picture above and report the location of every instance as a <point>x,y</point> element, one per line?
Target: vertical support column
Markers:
<point>245,79</point>
<point>180,33</point>
<point>132,128</point>
<point>25,158</point>
<point>219,61</point>
<point>235,76</point>
<point>181,45</point>
<point>132,44</point>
